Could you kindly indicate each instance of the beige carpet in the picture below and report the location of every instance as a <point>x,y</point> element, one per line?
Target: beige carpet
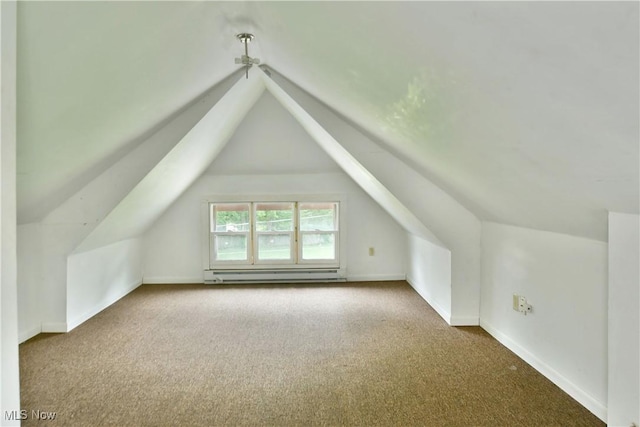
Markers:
<point>349,354</point>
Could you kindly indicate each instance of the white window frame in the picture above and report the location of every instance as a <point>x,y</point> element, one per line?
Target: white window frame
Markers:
<point>214,233</point>
<point>256,235</point>
<point>340,263</point>
<point>336,233</point>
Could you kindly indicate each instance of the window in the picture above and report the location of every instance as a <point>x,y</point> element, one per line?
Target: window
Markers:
<point>230,232</point>
<point>281,234</point>
<point>274,232</point>
<point>318,231</point>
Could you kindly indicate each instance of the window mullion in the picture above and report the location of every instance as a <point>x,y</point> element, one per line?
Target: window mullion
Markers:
<point>252,231</point>
<point>296,228</point>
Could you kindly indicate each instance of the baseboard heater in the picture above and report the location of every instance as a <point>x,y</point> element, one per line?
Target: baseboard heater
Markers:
<point>271,276</point>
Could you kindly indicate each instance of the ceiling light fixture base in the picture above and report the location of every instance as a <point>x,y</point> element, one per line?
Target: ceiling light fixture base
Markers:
<point>245,37</point>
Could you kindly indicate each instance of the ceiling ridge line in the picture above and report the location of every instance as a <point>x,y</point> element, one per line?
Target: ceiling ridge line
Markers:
<point>350,165</point>
<point>178,170</point>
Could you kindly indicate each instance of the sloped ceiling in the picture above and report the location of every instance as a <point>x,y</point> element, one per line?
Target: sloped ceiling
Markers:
<point>526,112</point>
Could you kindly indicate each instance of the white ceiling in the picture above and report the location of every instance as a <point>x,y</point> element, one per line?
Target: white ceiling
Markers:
<point>526,112</point>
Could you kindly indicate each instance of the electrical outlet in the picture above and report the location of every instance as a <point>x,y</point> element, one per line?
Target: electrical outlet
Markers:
<point>372,251</point>
<point>520,304</point>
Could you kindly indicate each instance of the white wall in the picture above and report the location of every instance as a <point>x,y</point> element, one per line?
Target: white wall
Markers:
<point>172,247</point>
<point>451,222</point>
<point>9,373</point>
<point>564,278</point>
<point>270,153</point>
<point>30,280</point>
<point>624,322</point>
<point>429,272</point>
<point>100,277</point>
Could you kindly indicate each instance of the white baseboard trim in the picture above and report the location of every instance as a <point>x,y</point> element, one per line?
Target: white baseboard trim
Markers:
<point>170,280</point>
<point>438,308</point>
<point>54,327</point>
<point>102,305</point>
<point>29,333</point>
<point>464,321</point>
<point>374,277</point>
<point>585,399</point>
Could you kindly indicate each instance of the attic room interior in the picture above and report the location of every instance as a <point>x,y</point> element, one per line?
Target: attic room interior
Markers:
<point>455,183</point>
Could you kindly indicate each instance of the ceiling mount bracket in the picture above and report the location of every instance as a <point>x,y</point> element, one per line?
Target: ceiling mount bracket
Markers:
<point>245,37</point>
